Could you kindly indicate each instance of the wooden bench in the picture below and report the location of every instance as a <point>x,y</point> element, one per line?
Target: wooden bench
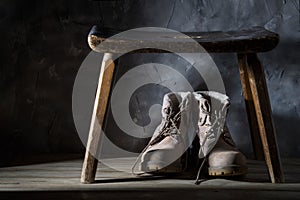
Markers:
<point>245,43</point>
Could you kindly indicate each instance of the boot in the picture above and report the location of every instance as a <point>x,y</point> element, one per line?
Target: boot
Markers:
<point>173,136</point>
<point>216,144</point>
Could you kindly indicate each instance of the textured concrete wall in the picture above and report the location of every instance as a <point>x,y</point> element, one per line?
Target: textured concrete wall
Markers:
<point>44,43</point>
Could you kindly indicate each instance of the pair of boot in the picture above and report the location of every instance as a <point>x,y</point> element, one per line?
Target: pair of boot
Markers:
<point>185,115</point>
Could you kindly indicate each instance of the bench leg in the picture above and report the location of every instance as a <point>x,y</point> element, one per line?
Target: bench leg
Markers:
<point>263,111</point>
<point>254,130</point>
<point>104,83</point>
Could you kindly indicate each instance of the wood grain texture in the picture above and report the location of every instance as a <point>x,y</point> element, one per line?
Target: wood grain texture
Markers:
<point>104,83</point>
<point>263,110</point>
<point>252,119</point>
<point>65,176</point>
<point>254,40</point>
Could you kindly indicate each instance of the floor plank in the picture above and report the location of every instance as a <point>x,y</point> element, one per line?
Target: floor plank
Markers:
<point>62,180</point>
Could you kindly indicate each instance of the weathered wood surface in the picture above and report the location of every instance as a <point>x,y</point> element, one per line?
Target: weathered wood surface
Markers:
<point>263,111</point>
<point>255,137</point>
<point>254,40</point>
<point>104,83</point>
<point>65,175</point>
<point>61,180</point>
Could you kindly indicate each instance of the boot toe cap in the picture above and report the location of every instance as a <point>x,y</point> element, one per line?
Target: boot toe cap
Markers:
<point>227,158</point>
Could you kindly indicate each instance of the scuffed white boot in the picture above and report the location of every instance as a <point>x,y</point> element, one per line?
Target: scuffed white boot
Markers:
<point>216,144</point>
<point>173,136</point>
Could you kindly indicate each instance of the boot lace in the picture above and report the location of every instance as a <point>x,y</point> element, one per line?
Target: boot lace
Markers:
<point>204,120</point>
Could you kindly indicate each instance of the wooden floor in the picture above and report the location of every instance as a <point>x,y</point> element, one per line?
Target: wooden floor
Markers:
<point>60,180</point>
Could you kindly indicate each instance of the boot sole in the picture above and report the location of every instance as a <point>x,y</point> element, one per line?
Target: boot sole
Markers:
<point>228,171</point>
<point>157,168</point>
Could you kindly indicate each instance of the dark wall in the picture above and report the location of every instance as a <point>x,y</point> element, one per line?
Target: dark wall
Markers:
<point>44,43</point>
